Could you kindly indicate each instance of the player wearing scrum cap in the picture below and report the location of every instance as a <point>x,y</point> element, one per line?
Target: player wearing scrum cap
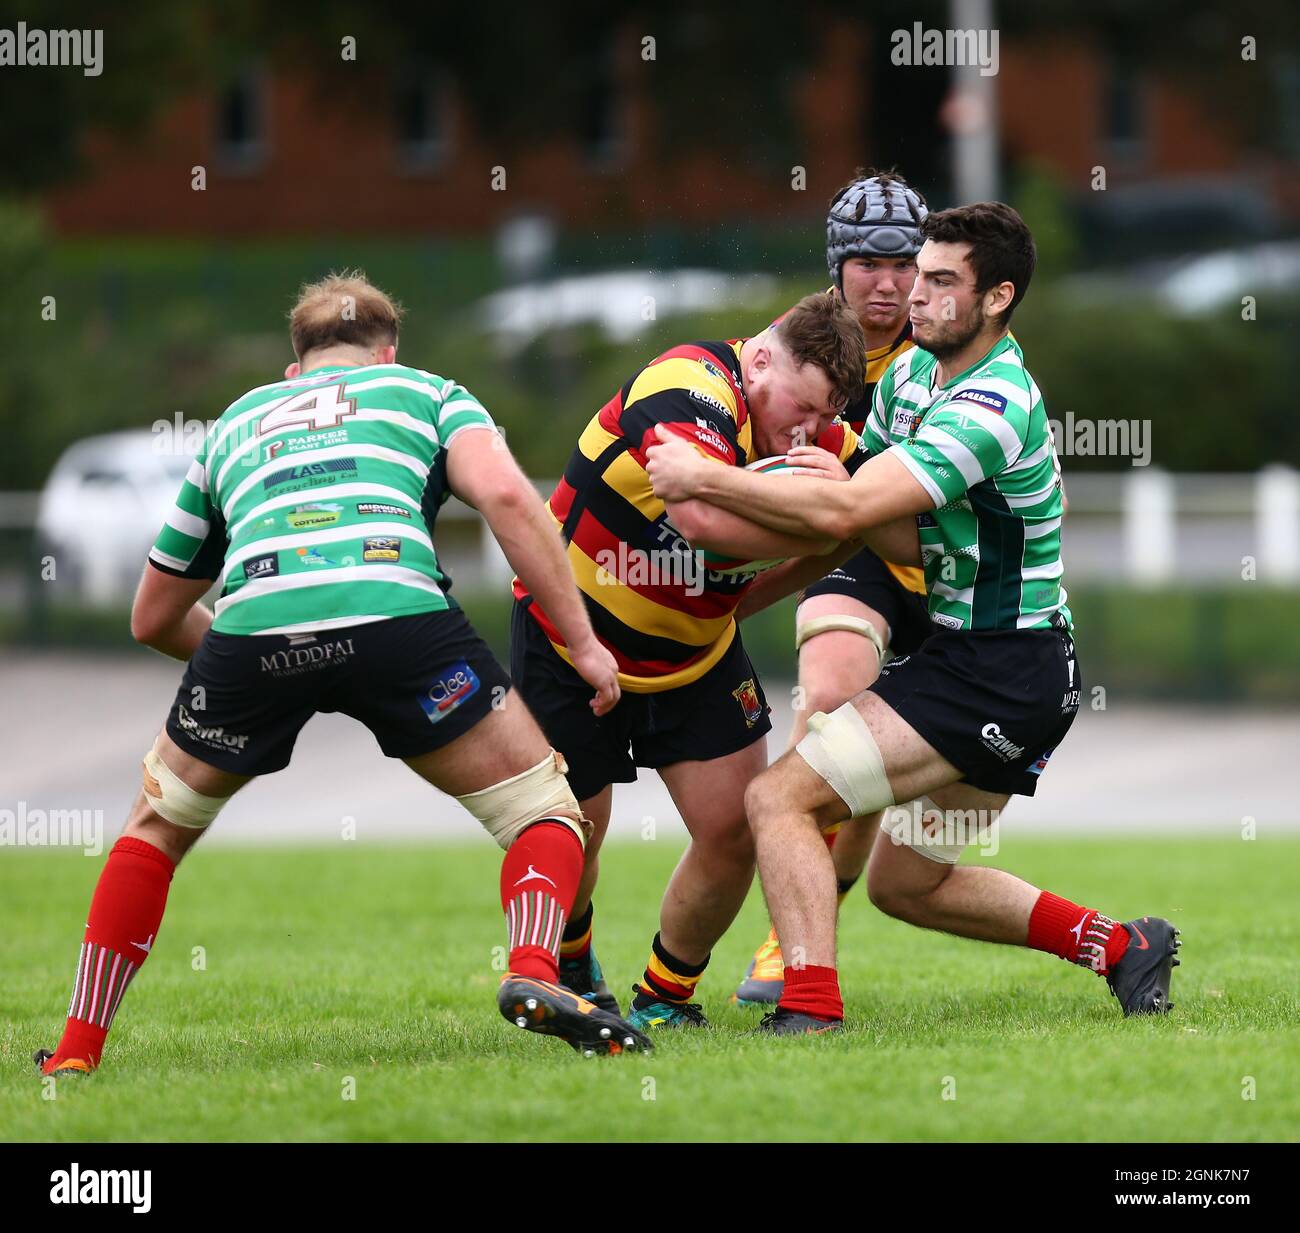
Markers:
<point>312,503</point>
<point>848,620</point>
<point>959,440</point>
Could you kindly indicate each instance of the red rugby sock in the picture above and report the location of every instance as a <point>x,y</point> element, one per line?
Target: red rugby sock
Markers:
<point>1081,935</point>
<point>125,913</point>
<point>811,990</point>
<point>539,879</point>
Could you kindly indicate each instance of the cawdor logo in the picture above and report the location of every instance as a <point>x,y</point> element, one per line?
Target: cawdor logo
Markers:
<point>747,696</point>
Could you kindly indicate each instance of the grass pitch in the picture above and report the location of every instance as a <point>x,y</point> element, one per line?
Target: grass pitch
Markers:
<point>346,993</point>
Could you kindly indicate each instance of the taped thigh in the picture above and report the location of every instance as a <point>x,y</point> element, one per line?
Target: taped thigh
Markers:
<point>170,797</point>
<point>937,834</point>
<point>841,749</point>
<point>510,807</point>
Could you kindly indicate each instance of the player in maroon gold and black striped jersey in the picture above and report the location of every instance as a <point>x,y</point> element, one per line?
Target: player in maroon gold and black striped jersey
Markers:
<point>692,707</point>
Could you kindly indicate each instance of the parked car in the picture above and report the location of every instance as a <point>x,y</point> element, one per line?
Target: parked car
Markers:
<point>101,509</point>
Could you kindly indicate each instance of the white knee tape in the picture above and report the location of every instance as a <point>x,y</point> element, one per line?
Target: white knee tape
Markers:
<point>841,749</point>
<point>938,835</point>
<point>510,807</point>
<point>849,624</point>
<point>170,797</point>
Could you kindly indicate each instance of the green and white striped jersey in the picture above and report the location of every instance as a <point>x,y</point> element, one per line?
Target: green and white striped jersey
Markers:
<point>981,446</point>
<point>313,500</point>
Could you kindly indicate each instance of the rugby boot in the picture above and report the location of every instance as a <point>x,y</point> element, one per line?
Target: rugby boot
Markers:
<point>539,1006</point>
<point>584,977</point>
<point>782,1022</point>
<point>765,976</point>
<point>665,1014</point>
<point>1140,979</point>
<point>69,1065</point>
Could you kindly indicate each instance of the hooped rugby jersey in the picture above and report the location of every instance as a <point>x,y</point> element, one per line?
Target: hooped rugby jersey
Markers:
<point>982,448</point>
<point>664,617</point>
<point>313,500</point>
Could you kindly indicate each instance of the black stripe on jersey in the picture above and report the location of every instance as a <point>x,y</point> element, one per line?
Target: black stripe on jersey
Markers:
<point>995,600</point>
<point>636,645</point>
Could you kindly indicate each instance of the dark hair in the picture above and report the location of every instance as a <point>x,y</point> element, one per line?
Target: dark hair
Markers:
<point>1001,246</point>
<point>886,178</point>
<point>822,330</point>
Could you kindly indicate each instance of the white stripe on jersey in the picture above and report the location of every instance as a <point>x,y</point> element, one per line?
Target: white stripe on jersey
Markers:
<point>187,523</point>
<point>326,535</point>
<point>197,476</point>
<point>314,626</point>
<point>954,451</point>
<point>992,423</point>
<point>1029,498</point>
<point>166,558</point>
<point>919,474</point>
<point>1052,570</point>
<point>1036,530</point>
<point>304,457</point>
<point>958,595</point>
<point>398,574</point>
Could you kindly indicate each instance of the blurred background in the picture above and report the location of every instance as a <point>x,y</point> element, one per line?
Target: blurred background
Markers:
<point>557,193</point>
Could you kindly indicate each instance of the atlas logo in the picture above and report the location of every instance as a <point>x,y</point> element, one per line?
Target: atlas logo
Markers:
<point>1003,746</point>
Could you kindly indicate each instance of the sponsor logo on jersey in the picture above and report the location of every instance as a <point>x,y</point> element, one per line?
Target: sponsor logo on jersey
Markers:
<point>747,695</point>
<point>706,435</point>
<point>903,421</point>
<point>315,514</point>
<point>709,401</point>
<point>983,398</point>
<point>1005,748</point>
<point>313,556</point>
<point>310,472</point>
<point>926,520</point>
<point>449,689</point>
<point>714,371</point>
<point>948,622</point>
<point>214,737</point>
<point>378,507</point>
<point>381,548</point>
<point>262,567</point>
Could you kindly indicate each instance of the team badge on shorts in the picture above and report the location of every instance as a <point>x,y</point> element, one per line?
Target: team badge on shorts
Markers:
<point>448,690</point>
<point>747,696</point>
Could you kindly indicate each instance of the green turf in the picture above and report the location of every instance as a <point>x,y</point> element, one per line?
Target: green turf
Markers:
<point>375,965</point>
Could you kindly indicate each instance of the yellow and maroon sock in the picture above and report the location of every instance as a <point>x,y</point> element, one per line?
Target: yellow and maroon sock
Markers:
<point>575,944</point>
<point>667,978</point>
<point>829,835</point>
<point>125,913</point>
<point>812,990</point>
<point>1081,935</point>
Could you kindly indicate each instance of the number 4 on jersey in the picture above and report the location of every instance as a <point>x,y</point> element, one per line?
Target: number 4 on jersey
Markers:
<point>316,410</point>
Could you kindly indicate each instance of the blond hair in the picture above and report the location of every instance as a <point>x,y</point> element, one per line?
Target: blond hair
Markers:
<point>346,308</point>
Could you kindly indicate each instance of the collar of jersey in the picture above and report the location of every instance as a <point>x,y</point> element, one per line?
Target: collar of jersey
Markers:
<point>997,349</point>
<point>327,368</point>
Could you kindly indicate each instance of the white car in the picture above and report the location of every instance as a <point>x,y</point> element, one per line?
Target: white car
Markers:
<point>101,509</point>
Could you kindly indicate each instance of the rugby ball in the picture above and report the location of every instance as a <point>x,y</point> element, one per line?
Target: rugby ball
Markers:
<point>720,563</point>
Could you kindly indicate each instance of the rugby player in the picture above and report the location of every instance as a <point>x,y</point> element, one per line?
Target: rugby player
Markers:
<point>312,503</point>
<point>692,707</point>
<point>847,621</point>
<point>958,437</point>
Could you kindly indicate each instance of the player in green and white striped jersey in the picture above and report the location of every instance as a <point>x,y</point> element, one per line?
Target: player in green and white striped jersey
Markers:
<point>960,441</point>
<point>313,504</point>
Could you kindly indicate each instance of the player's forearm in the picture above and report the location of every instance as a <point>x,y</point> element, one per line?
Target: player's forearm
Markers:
<point>821,512</point>
<point>719,530</point>
<point>535,551</point>
<point>181,639</point>
<point>896,540</point>
<point>774,585</point>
